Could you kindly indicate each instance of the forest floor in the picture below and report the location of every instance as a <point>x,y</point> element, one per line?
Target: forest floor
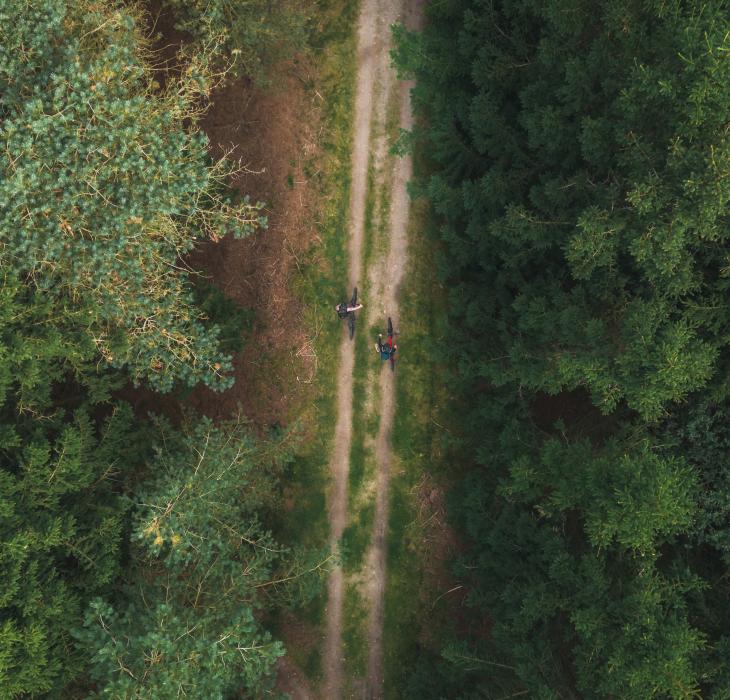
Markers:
<point>276,131</point>
<point>293,138</point>
<point>319,156</point>
<point>360,460</point>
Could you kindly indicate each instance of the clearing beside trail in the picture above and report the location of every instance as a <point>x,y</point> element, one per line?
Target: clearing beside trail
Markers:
<point>293,138</point>
<point>378,200</point>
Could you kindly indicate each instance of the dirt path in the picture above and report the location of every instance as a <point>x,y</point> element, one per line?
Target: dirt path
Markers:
<point>390,276</point>
<point>375,81</point>
<point>368,52</point>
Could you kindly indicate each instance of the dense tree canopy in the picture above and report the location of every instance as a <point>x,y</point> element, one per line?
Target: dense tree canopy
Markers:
<point>201,564</point>
<point>582,152</point>
<point>61,515</point>
<point>106,182</point>
<point>578,162</point>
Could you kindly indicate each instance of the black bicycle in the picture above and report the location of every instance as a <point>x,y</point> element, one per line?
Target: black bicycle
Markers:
<point>345,310</point>
<point>392,345</point>
<point>388,348</point>
<point>351,314</point>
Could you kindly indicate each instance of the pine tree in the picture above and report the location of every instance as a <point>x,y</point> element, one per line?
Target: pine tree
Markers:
<point>107,184</point>
<point>61,514</point>
<point>576,163</point>
<point>186,621</point>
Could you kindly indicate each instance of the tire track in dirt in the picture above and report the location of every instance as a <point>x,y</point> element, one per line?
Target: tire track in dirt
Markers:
<point>375,78</point>
<point>368,54</point>
<point>387,275</point>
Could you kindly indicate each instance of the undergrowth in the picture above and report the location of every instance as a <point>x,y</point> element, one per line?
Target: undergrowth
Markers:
<point>354,616</point>
<point>320,285</point>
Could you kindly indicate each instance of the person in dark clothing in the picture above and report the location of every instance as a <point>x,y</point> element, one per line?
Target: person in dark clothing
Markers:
<point>344,309</point>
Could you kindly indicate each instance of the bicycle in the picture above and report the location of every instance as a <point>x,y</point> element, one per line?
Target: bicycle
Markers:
<point>393,346</point>
<point>345,310</point>
<point>388,349</point>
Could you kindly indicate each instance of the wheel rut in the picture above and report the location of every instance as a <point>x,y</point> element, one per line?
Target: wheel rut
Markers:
<point>376,86</point>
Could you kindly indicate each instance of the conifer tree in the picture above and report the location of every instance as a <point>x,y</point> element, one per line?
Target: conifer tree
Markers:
<point>577,167</point>
<point>202,568</point>
<point>107,184</point>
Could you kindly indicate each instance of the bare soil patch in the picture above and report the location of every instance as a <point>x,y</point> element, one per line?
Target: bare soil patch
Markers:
<point>291,680</point>
<point>273,132</point>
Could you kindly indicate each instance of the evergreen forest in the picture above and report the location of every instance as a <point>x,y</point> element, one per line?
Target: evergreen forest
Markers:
<point>572,169</point>
<point>577,163</point>
<point>124,535</point>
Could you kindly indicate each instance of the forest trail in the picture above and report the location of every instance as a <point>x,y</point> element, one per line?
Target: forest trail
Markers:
<point>386,276</point>
<point>340,458</point>
<point>374,85</point>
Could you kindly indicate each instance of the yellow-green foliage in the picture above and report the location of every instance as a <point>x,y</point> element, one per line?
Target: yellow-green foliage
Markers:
<point>106,183</point>
<point>254,33</point>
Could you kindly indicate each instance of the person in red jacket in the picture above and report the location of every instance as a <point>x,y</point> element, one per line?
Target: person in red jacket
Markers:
<point>386,349</point>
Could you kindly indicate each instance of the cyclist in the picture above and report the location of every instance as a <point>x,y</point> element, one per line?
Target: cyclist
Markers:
<point>344,309</point>
<point>387,350</point>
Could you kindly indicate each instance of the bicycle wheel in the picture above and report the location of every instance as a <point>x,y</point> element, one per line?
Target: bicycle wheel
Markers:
<point>390,327</point>
<point>353,301</point>
<point>351,324</point>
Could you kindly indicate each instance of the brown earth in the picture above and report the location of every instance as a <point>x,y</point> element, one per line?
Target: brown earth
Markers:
<point>273,134</point>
